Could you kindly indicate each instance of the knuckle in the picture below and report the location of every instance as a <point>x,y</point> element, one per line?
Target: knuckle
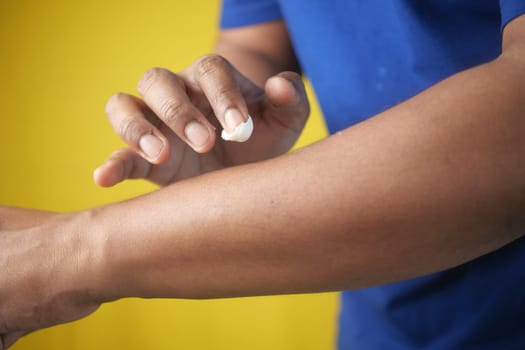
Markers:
<point>210,64</point>
<point>149,78</point>
<point>172,110</point>
<point>118,155</point>
<point>131,129</point>
<point>224,94</point>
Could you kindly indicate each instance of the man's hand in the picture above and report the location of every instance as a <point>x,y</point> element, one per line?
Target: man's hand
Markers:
<point>171,130</point>
<point>38,284</point>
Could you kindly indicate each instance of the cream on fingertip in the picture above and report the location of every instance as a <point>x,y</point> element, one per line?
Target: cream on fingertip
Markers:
<point>241,133</point>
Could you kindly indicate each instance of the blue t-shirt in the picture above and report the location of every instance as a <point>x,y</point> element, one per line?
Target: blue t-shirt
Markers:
<point>362,57</point>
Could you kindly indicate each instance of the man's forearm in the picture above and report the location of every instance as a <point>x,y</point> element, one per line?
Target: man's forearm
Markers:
<point>427,185</point>
<point>258,51</point>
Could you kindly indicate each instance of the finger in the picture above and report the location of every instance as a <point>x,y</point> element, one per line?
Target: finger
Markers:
<point>11,338</point>
<point>223,86</point>
<point>134,124</point>
<point>166,95</point>
<point>287,101</point>
<point>121,165</point>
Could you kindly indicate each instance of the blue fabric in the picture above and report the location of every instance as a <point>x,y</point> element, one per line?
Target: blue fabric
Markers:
<point>511,9</point>
<point>362,57</point>
<point>238,13</point>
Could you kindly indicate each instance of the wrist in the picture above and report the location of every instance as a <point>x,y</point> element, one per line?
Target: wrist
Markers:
<point>85,237</point>
<point>108,252</point>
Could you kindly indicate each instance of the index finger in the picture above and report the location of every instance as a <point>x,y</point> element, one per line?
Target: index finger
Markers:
<point>225,87</point>
<point>165,94</point>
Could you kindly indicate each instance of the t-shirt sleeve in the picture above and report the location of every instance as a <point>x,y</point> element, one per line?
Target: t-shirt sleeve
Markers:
<point>511,9</point>
<point>240,13</point>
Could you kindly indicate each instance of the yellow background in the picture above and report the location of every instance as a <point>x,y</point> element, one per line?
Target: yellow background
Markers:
<point>59,62</point>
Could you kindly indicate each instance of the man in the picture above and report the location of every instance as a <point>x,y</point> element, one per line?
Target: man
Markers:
<point>435,181</point>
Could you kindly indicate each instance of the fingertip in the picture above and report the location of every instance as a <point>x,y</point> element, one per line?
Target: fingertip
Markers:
<point>206,147</point>
<point>96,176</point>
<point>154,148</point>
<point>99,178</point>
<point>280,91</point>
<point>287,100</point>
<point>241,133</point>
<point>105,176</point>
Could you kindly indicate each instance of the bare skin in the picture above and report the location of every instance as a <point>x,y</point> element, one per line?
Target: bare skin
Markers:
<point>429,184</point>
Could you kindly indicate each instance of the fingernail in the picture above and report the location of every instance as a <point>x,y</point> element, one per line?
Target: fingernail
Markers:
<point>196,133</point>
<point>151,145</point>
<point>233,118</point>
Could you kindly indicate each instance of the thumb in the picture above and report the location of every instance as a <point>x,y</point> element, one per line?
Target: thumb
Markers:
<point>287,101</point>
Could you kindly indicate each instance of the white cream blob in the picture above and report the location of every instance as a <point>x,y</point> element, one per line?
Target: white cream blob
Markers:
<point>241,133</point>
